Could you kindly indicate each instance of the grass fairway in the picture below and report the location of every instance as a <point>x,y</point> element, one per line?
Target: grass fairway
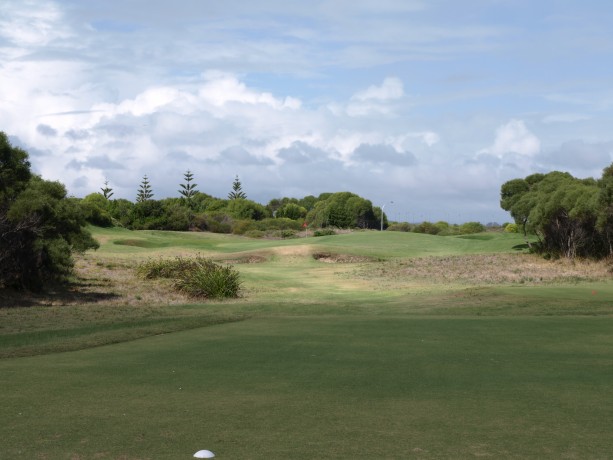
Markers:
<point>365,345</point>
<point>323,387</point>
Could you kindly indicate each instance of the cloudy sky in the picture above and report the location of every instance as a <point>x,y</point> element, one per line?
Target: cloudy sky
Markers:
<point>429,104</point>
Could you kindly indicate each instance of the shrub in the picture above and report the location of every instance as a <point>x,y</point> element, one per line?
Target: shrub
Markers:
<point>324,232</point>
<point>282,234</point>
<point>511,228</point>
<point>210,280</point>
<point>197,277</point>
<point>280,223</point>
<point>217,222</point>
<point>471,227</point>
<point>242,227</point>
<point>427,227</point>
<point>399,227</point>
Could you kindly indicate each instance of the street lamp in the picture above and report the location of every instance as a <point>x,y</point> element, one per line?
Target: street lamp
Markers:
<point>382,208</point>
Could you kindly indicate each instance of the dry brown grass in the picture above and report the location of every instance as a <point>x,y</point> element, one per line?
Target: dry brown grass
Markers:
<point>101,281</point>
<point>488,269</point>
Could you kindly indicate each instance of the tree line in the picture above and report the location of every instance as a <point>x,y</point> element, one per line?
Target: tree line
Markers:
<point>195,210</point>
<point>571,217</point>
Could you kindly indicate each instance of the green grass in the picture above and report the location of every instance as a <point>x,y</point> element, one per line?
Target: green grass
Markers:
<point>323,387</point>
<point>318,360</point>
<point>120,242</point>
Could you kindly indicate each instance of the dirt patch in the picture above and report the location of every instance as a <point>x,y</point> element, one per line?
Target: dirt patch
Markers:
<point>330,258</point>
<point>292,250</point>
<point>250,259</point>
<point>100,282</point>
<point>138,243</point>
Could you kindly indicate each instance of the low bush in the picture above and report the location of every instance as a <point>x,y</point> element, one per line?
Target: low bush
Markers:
<point>471,227</point>
<point>511,228</point>
<point>399,227</point>
<point>255,234</point>
<point>427,228</point>
<point>197,277</point>
<point>242,227</point>
<point>324,232</point>
<point>283,234</point>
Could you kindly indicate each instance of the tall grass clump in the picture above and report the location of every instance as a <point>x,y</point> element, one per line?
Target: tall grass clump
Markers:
<point>196,277</point>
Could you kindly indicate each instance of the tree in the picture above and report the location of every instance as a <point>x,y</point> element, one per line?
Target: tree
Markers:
<point>292,211</point>
<point>40,227</point>
<point>237,190</point>
<point>95,210</point>
<point>188,190</point>
<point>343,210</point>
<point>107,192</point>
<point>14,170</point>
<point>568,215</point>
<point>145,192</point>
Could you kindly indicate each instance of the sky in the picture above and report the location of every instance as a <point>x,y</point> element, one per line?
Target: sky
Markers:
<point>424,107</point>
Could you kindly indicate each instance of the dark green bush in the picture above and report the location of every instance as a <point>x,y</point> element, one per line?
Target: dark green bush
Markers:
<point>197,277</point>
<point>324,232</point>
<point>217,222</point>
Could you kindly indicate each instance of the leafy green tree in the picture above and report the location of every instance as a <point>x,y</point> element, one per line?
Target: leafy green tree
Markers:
<point>237,190</point>
<point>308,202</point>
<point>203,202</point>
<point>343,210</point>
<point>40,227</point>
<point>148,215</point>
<point>145,192</point>
<point>14,170</point>
<point>568,215</point>
<point>188,189</point>
<point>95,210</point>
<point>240,208</point>
<point>121,210</point>
<point>292,211</point>
<point>604,222</point>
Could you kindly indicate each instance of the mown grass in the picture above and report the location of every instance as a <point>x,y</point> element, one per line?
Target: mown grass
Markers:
<point>323,387</point>
<point>364,345</point>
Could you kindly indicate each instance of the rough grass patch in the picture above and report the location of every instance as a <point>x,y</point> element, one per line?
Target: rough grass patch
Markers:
<point>489,269</point>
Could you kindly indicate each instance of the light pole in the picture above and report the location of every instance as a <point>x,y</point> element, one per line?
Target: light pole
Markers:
<point>382,208</point>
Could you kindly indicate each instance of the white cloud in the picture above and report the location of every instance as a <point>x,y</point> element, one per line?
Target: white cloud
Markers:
<point>391,88</point>
<point>376,99</point>
<point>29,23</point>
<point>221,89</point>
<point>514,137</point>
